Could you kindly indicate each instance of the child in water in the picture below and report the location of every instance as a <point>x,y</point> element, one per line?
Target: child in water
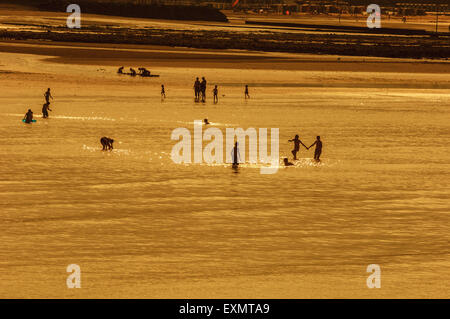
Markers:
<point>28,116</point>
<point>297,143</point>
<point>286,162</point>
<point>318,150</point>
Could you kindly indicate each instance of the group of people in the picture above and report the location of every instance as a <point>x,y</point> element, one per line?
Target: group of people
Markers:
<point>298,142</point>
<point>142,71</point>
<point>200,92</point>
<point>28,118</point>
<point>200,89</point>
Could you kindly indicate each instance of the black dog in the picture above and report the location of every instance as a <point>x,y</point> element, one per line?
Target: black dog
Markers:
<point>107,143</point>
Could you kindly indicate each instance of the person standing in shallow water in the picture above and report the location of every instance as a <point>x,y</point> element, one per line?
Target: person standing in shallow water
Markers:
<point>45,109</point>
<point>318,150</point>
<point>47,96</point>
<point>197,89</point>
<point>28,117</point>
<point>203,89</point>
<point>163,92</point>
<point>297,143</point>
<point>216,94</point>
<point>247,96</point>
<point>235,155</point>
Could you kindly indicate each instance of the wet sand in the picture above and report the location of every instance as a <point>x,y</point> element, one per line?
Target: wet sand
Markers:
<point>158,56</point>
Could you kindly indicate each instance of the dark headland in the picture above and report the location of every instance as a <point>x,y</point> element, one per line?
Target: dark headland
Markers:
<point>130,9</point>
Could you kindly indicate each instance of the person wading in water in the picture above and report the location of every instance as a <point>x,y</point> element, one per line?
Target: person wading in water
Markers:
<point>47,96</point>
<point>297,143</point>
<point>235,155</point>
<point>28,117</point>
<point>45,109</point>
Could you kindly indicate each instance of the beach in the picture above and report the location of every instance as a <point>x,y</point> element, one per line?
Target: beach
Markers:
<point>329,37</point>
<point>141,226</point>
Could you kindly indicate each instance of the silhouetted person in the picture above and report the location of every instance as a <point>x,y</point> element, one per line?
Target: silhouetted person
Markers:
<point>120,71</point>
<point>216,94</point>
<point>144,72</point>
<point>45,109</point>
<point>235,154</point>
<point>286,162</point>
<point>197,89</point>
<point>203,89</point>
<point>132,72</point>
<point>48,95</point>
<point>206,121</point>
<point>28,117</point>
<point>163,92</point>
<point>297,143</point>
<point>107,143</point>
<point>247,96</point>
<point>318,149</point>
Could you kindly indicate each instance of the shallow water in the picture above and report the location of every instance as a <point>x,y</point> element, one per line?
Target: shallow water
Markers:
<point>140,225</point>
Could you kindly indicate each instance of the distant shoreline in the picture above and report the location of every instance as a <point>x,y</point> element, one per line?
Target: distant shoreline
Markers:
<point>311,43</point>
<point>159,56</point>
<point>103,29</point>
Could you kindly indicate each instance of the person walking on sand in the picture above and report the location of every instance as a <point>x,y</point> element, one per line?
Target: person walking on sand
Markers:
<point>216,94</point>
<point>28,117</point>
<point>163,92</point>
<point>247,96</point>
<point>297,143</point>
<point>318,150</point>
<point>47,96</point>
<point>45,109</point>
<point>203,89</point>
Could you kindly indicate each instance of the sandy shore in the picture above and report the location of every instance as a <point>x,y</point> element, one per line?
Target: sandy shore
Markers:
<point>158,56</point>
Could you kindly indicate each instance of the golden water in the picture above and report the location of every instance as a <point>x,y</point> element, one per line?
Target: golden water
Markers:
<point>140,225</point>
